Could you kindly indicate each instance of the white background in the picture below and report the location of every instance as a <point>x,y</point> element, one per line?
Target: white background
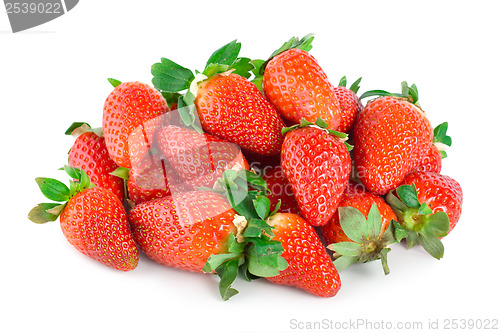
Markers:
<point>56,73</point>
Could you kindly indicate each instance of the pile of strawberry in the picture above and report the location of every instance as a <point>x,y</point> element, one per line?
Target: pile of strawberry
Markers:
<point>254,168</point>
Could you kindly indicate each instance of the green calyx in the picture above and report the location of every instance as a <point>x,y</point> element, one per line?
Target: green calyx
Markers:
<point>321,124</point>
<point>78,128</point>
<point>252,252</point>
<point>442,140</point>
<point>176,82</point>
<point>417,222</point>
<point>409,93</point>
<point>304,43</point>
<point>57,191</point>
<point>354,87</point>
<point>368,241</point>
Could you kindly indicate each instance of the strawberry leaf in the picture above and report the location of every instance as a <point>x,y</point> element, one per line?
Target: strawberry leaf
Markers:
<point>343,262</point>
<point>74,126</point>
<point>262,206</point>
<point>424,209</point>
<point>355,86</point>
<point>438,224</point>
<point>432,244</point>
<point>227,272</point>
<point>40,215</point>
<point>53,189</point>
<point>226,55</point>
<point>256,227</point>
<point>373,222</point>
<point>440,134</point>
<point>115,83</point>
<point>171,77</point>
<point>343,82</point>
<point>408,195</point>
<point>242,67</point>
<point>349,249</point>
<point>412,239</point>
<point>352,222</point>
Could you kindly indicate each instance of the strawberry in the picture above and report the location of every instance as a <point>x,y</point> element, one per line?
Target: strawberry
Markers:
<point>357,213</point>
<point>184,229</point>
<point>203,231</point>
<point>223,101</point>
<point>280,190</point>
<point>356,196</point>
<point>153,178</point>
<point>317,165</point>
<point>198,158</point>
<point>432,159</point>
<point>368,237</point>
<point>298,87</point>
<point>309,266</point>
<point>132,112</point>
<point>428,206</point>
<point>391,136</point>
<point>349,102</point>
<point>89,153</point>
<point>92,219</point>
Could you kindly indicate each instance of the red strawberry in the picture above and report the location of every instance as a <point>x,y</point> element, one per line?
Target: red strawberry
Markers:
<point>93,220</point>
<point>198,158</point>
<point>309,266</point>
<point>153,178</point>
<point>232,108</point>
<point>183,230</point>
<point>356,196</point>
<point>428,205</point>
<point>132,112</point>
<point>317,165</point>
<point>349,102</point>
<point>202,231</point>
<point>89,153</point>
<point>432,160</point>
<point>298,87</point>
<point>280,190</point>
<point>223,101</point>
<point>391,136</point>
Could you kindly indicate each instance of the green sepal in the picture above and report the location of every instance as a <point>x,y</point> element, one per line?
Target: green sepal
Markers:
<point>408,195</point>
<point>53,189</point>
<point>412,239</point>
<point>227,273</point>
<point>242,67</point>
<point>343,262</point>
<point>171,77</point>
<point>82,180</point>
<point>121,172</point>
<point>354,87</point>
<point>424,209</point>
<point>40,215</point>
<point>398,231</point>
<point>171,98</point>
<point>262,206</point>
<point>226,55</point>
<point>352,222</point>
<point>74,126</point>
<point>115,83</point>
<point>305,44</point>
<point>215,260</point>
<point>349,249</point>
<point>408,92</point>
<point>432,244</point>
<point>343,82</point>
<point>256,227</point>
<point>440,134</point>
<point>438,224</point>
<point>373,222</point>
